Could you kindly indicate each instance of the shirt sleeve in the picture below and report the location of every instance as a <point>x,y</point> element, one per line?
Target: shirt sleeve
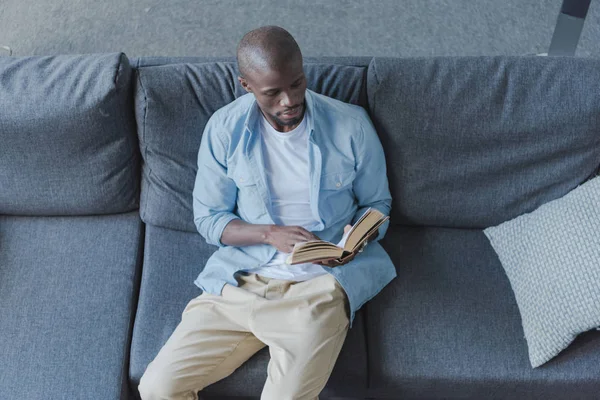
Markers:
<point>214,194</point>
<point>371,187</point>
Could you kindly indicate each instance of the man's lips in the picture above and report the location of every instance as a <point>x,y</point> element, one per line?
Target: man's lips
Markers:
<point>292,112</point>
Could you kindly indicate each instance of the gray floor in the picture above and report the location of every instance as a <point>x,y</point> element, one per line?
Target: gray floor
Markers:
<point>335,27</point>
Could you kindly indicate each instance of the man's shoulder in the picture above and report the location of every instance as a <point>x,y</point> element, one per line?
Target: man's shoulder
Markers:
<point>234,112</point>
<point>334,107</point>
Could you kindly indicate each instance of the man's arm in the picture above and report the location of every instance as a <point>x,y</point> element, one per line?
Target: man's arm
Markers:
<point>241,233</point>
<point>215,194</point>
<point>214,199</point>
<point>370,186</point>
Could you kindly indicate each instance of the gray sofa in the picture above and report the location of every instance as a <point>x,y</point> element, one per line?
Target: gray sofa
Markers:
<point>98,250</point>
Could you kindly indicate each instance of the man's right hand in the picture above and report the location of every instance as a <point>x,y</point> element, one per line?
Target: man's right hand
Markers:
<point>283,238</point>
<point>240,233</point>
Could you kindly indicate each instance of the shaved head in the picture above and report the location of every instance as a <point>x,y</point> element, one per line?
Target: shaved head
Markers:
<point>266,48</point>
<point>270,66</point>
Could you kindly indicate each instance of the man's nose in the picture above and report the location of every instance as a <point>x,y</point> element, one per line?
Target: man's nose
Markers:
<point>286,100</point>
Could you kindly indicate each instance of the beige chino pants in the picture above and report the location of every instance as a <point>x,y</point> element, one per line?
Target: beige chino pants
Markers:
<point>303,323</point>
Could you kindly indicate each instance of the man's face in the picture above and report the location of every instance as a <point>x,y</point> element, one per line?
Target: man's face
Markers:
<point>279,94</point>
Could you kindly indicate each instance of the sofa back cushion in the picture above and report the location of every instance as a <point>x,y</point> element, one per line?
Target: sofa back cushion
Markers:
<point>172,106</point>
<point>67,135</point>
<point>471,142</point>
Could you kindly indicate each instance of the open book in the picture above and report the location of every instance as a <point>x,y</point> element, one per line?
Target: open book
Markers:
<point>352,241</point>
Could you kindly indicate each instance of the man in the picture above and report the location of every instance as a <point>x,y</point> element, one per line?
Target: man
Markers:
<point>276,167</point>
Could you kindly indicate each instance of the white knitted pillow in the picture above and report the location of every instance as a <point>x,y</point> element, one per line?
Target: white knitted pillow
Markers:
<point>552,259</point>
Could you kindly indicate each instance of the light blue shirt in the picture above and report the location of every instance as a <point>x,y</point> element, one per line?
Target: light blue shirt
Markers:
<point>347,176</point>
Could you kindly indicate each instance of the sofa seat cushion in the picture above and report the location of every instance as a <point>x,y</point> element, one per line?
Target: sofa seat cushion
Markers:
<point>67,135</point>
<point>67,294</point>
<point>449,327</point>
<point>172,260</point>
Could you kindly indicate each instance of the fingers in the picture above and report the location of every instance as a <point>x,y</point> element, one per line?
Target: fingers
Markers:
<point>310,235</point>
<point>295,236</point>
<point>334,262</point>
<point>288,236</point>
<point>331,262</point>
<point>362,247</point>
<point>305,234</point>
<point>348,259</point>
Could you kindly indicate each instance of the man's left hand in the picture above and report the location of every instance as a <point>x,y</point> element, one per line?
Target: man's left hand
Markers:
<point>336,262</point>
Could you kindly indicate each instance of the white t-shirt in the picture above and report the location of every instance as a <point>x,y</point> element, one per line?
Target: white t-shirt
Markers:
<point>285,157</point>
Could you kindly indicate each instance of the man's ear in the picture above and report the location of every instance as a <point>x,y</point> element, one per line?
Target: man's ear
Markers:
<point>244,84</point>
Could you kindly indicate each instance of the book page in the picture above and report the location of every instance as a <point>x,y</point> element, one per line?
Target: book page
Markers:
<point>372,218</point>
<point>362,217</point>
<point>342,242</point>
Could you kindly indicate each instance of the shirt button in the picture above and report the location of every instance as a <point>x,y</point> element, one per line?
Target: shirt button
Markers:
<point>338,184</point>
<point>241,179</point>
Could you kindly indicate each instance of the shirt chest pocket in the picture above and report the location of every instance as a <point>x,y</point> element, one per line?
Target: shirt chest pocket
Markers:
<point>338,181</point>
<point>336,197</point>
<point>242,178</point>
<point>249,203</point>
